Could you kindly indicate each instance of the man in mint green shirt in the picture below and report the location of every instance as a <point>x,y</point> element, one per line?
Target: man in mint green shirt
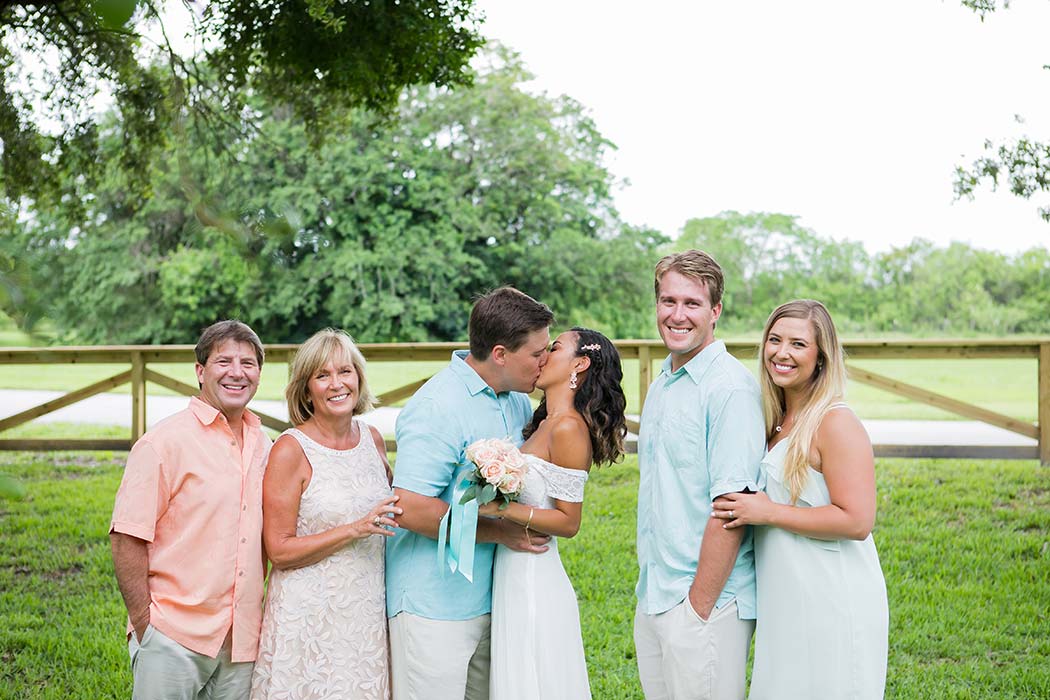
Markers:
<point>702,435</point>
<point>439,621</point>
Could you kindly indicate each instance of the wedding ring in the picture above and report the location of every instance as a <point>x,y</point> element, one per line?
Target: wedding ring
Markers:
<point>376,521</point>
<point>731,516</point>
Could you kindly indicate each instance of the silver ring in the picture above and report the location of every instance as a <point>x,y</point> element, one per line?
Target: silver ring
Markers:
<point>376,521</point>
<point>731,516</point>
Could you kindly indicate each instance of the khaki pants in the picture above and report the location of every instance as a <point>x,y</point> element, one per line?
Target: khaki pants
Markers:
<point>163,669</point>
<point>682,657</point>
<point>439,659</point>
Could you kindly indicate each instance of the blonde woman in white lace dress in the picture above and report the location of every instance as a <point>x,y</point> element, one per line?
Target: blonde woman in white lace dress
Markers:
<point>537,645</point>
<point>327,508</point>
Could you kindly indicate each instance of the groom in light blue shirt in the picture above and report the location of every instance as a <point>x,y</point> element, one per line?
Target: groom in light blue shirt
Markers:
<point>702,436</point>
<point>439,621</point>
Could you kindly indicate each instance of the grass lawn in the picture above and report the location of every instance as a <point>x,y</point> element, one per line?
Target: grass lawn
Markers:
<point>965,547</point>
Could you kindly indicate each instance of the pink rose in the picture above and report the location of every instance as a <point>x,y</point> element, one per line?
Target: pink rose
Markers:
<point>484,452</point>
<point>515,462</point>
<point>493,472</point>
<point>511,483</point>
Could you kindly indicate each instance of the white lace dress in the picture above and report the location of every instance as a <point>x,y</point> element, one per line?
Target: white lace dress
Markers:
<point>324,632</point>
<point>537,648</point>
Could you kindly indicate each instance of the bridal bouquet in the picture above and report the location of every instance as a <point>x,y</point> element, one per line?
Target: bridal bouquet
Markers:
<point>499,472</point>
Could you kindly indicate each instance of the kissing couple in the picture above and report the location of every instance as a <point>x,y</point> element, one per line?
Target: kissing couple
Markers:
<point>505,625</point>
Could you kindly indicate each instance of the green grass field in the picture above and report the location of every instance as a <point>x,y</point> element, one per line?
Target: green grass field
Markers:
<point>965,547</point>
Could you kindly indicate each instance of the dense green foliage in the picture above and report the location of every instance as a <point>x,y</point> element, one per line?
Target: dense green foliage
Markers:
<point>918,288</point>
<point>390,229</point>
<point>963,547</point>
<point>317,56</point>
<point>59,61</point>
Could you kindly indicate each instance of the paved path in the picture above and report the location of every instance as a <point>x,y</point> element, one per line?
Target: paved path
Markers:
<point>115,409</point>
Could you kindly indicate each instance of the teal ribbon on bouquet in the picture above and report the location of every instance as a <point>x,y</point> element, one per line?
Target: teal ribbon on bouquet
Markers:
<point>461,525</point>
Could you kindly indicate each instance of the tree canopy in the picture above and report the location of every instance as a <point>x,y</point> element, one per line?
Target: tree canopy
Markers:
<point>389,229</point>
<point>317,57</point>
<point>916,289</point>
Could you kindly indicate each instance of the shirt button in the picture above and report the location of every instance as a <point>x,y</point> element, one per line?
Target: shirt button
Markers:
<point>243,540</point>
<point>240,573</point>
<point>233,443</point>
<point>244,507</point>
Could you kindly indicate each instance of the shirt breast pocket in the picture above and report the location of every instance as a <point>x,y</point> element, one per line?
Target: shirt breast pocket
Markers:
<point>684,440</point>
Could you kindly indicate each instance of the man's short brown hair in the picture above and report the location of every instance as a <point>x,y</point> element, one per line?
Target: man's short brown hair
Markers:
<point>505,316</point>
<point>218,333</point>
<point>696,265</point>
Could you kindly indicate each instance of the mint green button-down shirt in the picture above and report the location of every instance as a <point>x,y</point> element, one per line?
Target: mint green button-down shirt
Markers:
<point>702,435</point>
<point>452,410</point>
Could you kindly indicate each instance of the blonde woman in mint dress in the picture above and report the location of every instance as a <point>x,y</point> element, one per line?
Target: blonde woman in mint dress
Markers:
<point>822,614</point>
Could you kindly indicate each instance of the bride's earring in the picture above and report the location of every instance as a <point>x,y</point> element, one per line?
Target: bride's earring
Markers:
<point>572,380</point>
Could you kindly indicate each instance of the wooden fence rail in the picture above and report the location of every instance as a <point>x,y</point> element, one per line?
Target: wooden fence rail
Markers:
<point>140,357</point>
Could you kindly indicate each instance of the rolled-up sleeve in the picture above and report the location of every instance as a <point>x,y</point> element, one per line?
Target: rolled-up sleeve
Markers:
<point>143,494</point>
<point>427,452</point>
<point>735,451</point>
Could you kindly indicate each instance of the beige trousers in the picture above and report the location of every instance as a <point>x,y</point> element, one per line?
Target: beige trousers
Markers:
<point>439,659</point>
<point>163,669</point>
<point>683,657</point>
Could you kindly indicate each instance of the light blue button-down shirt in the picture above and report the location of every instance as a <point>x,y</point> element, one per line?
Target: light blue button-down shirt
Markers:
<point>452,410</point>
<point>702,435</point>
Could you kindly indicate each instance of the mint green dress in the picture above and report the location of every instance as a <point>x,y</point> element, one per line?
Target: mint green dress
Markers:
<point>823,619</point>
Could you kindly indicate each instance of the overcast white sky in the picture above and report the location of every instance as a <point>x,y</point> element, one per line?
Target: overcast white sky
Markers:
<point>851,115</point>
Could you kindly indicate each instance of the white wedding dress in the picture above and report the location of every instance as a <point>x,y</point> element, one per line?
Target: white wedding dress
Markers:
<point>537,647</point>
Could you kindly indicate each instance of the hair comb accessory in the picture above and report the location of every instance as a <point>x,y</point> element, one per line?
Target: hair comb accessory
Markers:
<point>594,348</point>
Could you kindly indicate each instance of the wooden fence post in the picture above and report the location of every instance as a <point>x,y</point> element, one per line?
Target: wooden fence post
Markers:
<point>138,396</point>
<point>645,374</point>
<point>1044,404</point>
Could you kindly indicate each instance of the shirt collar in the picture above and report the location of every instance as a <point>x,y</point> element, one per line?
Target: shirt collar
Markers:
<point>207,414</point>
<point>475,384</point>
<point>698,366</point>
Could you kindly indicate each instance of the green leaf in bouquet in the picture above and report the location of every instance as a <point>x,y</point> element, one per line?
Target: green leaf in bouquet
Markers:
<point>504,505</point>
<point>487,494</point>
<point>470,493</point>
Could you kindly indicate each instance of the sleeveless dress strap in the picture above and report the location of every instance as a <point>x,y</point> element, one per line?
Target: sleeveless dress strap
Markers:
<point>299,436</point>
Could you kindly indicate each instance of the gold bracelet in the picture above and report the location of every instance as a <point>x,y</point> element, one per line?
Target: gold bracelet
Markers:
<point>532,511</point>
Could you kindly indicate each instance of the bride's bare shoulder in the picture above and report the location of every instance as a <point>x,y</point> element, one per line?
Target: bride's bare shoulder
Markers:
<point>570,443</point>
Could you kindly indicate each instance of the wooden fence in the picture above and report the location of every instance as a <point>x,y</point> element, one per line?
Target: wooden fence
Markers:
<point>142,358</point>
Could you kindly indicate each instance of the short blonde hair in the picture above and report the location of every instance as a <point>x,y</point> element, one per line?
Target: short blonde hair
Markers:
<point>696,265</point>
<point>311,357</point>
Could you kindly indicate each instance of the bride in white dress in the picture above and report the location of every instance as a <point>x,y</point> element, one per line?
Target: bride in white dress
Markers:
<point>537,648</point>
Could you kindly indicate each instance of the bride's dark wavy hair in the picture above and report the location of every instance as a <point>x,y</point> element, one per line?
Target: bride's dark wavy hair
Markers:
<point>599,398</point>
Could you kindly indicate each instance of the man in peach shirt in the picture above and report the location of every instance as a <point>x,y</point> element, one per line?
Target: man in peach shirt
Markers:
<point>187,532</point>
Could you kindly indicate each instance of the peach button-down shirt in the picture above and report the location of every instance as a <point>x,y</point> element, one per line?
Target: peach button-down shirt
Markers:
<point>196,498</point>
